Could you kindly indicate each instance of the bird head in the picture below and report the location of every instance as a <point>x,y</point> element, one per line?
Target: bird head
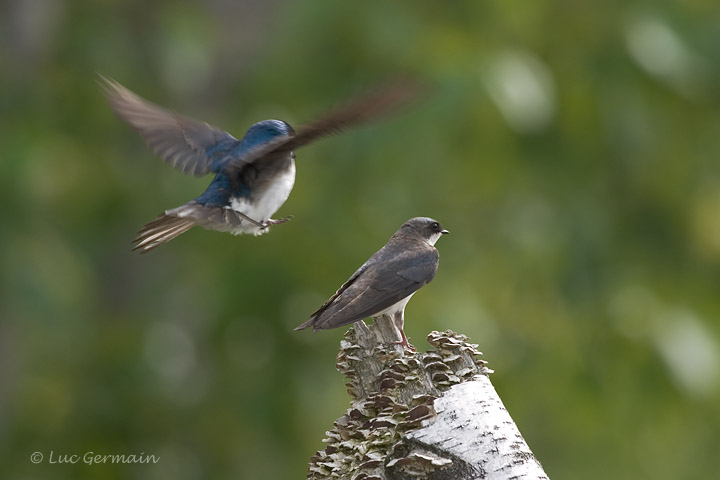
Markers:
<point>267,131</point>
<point>427,228</point>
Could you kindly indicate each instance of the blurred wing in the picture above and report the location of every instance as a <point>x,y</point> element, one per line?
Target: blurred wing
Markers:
<point>365,109</point>
<point>194,147</point>
<point>369,107</point>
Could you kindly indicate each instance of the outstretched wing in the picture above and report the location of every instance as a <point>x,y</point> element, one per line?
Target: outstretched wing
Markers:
<point>370,107</point>
<point>380,287</point>
<point>192,146</point>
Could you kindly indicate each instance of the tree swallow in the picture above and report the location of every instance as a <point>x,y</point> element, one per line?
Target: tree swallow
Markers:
<point>383,285</point>
<point>253,175</point>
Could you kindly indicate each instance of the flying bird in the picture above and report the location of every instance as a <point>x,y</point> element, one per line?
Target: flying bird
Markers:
<point>383,285</point>
<point>253,175</point>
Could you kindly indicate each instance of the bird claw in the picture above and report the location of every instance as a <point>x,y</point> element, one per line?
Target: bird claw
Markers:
<point>404,342</point>
<point>273,221</point>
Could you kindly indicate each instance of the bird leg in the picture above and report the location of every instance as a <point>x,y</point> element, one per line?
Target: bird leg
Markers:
<point>266,224</point>
<point>273,221</point>
<point>405,343</point>
<point>399,322</point>
<point>248,219</point>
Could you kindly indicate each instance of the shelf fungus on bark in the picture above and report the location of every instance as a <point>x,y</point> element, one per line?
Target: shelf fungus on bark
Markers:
<point>393,393</point>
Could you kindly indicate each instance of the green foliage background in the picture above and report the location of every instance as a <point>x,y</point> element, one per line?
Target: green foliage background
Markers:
<point>570,147</point>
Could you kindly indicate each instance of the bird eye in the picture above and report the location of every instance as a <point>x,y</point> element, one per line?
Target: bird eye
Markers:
<point>435,226</point>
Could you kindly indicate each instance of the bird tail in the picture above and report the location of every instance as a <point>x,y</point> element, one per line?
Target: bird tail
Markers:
<point>161,230</point>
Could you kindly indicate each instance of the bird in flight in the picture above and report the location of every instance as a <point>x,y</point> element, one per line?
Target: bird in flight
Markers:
<point>383,285</point>
<point>253,175</point>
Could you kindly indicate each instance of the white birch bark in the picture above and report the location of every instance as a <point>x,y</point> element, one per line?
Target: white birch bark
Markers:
<point>432,415</point>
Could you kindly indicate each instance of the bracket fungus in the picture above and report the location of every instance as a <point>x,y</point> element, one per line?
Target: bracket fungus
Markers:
<point>393,392</point>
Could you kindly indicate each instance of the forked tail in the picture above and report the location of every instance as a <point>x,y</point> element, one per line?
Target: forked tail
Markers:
<point>161,230</point>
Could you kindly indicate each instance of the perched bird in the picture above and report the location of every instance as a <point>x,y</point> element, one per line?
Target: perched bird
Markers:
<point>383,285</point>
<point>253,175</point>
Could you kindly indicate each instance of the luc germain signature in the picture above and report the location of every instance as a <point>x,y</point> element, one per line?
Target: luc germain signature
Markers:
<point>92,458</point>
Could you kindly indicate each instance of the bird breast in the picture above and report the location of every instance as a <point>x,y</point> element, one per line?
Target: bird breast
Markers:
<point>262,205</point>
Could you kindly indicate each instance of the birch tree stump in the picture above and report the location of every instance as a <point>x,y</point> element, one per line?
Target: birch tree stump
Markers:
<point>413,415</point>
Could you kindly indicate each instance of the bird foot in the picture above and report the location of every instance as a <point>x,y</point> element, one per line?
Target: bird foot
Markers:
<point>266,224</point>
<point>273,221</point>
<point>406,345</point>
<point>251,220</point>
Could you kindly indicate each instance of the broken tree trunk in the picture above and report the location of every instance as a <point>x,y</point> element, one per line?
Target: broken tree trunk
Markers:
<point>431,415</point>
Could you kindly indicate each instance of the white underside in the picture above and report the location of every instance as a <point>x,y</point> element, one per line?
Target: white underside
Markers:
<point>395,314</point>
<point>395,308</point>
<point>265,206</point>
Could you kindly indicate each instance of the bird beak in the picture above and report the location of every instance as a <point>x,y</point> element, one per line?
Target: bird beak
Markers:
<point>445,232</point>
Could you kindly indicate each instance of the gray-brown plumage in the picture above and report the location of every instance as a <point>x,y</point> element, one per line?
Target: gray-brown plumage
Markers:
<point>383,285</point>
<point>253,175</point>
